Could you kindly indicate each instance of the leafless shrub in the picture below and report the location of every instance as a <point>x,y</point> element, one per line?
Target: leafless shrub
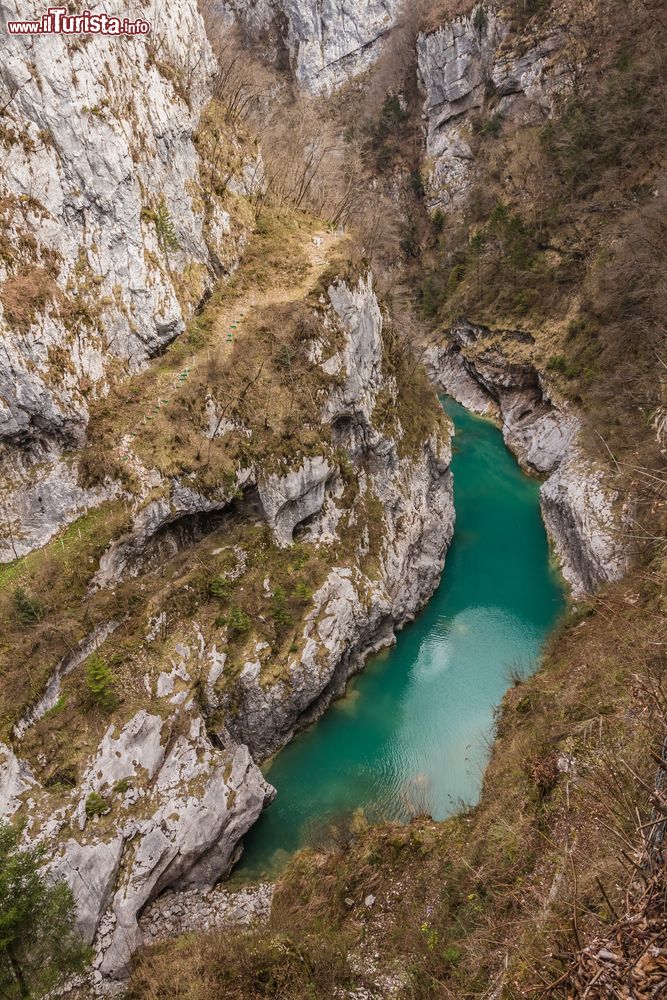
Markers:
<point>517,671</point>
<point>416,799</point>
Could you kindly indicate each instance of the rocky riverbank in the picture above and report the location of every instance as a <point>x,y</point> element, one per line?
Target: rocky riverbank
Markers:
<point>583,510</point>
<point>203,910</point>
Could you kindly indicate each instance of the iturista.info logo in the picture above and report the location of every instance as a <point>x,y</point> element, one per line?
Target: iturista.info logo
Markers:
<point>59,21</point>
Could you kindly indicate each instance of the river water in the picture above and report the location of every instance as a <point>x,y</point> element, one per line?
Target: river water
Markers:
<point>412,732</point>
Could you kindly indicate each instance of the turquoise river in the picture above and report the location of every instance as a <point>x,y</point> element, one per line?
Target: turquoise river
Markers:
<point>413,730</point>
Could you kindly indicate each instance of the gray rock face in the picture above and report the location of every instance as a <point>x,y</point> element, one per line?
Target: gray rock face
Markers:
<point>100,134</point>
<point>288,500</point>
<point>15,779</point>
<point>463,64</point>
<point>328,40</point>
<point>359,362</point>
<point>585,518</point>
<point>39,499</point>
<point>206,801</point>
<point>176,811</point>
<point>137,750</point>
<point>90,870</point>
<point>331,40</point>
<point>538,432</point>
<point>453,63</point>
<point>582,511</point>
<point>149,540</point>
<point>353,614</point>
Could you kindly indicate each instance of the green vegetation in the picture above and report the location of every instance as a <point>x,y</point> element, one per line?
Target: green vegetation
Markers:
<point>27,609</point>
<point>569,369</point>
<point>280,614</point>
<point>302,591</point>
<point>480,19</point>
<point>164,227</point>
<point>101,685</point>
<point>492,125</point>
<point>59,706</point>
<point>161,218</point>
<point>386,135</point>
<point>221,587</point>
<point>494,267</point>
<point>38,945</point>
<point>96,805</point>
<point>238,623</point>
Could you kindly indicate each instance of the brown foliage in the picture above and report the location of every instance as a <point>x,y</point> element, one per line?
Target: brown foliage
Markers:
<point>26,294</point>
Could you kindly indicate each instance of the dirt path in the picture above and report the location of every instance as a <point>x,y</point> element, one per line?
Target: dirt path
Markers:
<point>317,248</point>
<point>228,327</point>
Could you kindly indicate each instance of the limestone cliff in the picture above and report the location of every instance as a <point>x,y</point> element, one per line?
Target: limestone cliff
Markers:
<point>585,515</point>
<point>327,42</point>
<point>163,794</point>
<point>474,78</point>
<point>110,235</point>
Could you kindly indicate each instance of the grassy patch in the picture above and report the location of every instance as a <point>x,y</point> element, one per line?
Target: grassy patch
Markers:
<point>26,294</point>
<point>43,606</point>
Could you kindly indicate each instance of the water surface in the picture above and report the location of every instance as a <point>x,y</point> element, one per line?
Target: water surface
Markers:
<point>413,728</point>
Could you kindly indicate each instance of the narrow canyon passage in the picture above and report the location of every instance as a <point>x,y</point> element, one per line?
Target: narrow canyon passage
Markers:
<point>412,731</point>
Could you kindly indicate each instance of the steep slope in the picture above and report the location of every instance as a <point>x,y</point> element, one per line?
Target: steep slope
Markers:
<point>113,230</point>
<point>540,268</point>
<point>193,629</point>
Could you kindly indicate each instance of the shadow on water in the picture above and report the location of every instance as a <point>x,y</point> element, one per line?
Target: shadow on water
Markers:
<point>412,734</point>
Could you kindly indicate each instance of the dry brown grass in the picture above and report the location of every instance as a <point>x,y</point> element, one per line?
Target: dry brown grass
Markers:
<point>242,966</point>
<point>438,13</point>
<point>26,294</point>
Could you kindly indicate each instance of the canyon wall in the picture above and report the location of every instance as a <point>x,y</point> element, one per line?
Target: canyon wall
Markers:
<point>587,518</point>
<point>326,42</point>
<point>165,798</point>
<point>113,230</point>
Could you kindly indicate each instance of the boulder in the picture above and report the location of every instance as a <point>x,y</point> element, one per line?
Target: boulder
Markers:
<point>201,804</point>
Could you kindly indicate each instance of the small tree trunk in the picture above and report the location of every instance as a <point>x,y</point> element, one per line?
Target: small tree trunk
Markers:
<point>18,972</point>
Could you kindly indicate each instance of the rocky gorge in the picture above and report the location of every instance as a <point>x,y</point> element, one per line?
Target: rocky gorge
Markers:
<point>179,791</point>
<point>587,518</point>
<point>224,477</point>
